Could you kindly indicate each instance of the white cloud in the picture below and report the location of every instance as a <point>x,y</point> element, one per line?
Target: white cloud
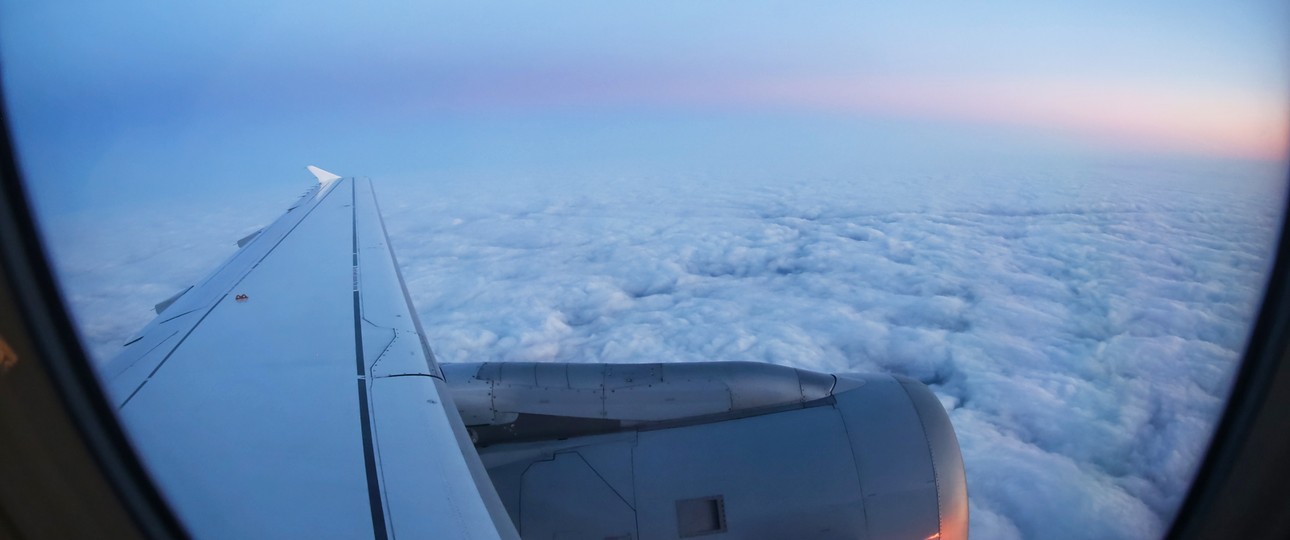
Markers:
<point>1083,327</point>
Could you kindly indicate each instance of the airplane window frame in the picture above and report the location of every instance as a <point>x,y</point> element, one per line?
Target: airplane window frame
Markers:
<point>63,392</point>
<point>1231,493</point>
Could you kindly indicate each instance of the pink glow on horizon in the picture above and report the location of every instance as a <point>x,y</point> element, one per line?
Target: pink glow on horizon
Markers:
<point>1210,122</point>
<point>1217,121</point>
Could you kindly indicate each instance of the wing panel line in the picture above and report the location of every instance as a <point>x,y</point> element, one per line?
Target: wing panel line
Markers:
<point>369,457</point>
<point>172,352</point>
<point>221,298</point>
<point>412,312</point>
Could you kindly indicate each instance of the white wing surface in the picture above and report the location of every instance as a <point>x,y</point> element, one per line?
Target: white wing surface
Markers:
<point>291,393</point>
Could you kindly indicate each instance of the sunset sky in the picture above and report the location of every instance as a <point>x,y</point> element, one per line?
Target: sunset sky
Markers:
<point>241,90</point>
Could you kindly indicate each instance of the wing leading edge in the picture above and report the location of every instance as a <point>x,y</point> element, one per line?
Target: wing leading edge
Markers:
<point>291,393</point>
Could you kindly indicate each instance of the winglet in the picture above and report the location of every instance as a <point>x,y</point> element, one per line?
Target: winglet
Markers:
<point>322,176</point>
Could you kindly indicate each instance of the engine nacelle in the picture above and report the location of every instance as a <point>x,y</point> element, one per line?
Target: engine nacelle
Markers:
<point>743,449</point>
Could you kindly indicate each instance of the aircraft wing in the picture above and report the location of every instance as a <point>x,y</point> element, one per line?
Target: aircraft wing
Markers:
<point>292,394</point>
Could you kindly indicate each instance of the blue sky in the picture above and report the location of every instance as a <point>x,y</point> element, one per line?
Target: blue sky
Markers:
<point>163,102</point>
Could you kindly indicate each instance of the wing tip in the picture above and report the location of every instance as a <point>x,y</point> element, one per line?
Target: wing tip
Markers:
<point>322,176</point>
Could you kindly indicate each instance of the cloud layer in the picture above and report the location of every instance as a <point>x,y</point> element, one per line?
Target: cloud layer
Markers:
<point>1082,328</point>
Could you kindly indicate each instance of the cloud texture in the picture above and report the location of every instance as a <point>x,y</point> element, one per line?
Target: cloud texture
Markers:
<point>1082,328</point>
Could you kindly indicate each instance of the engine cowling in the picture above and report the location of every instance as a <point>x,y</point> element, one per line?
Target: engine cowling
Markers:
<point>743,449</point>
